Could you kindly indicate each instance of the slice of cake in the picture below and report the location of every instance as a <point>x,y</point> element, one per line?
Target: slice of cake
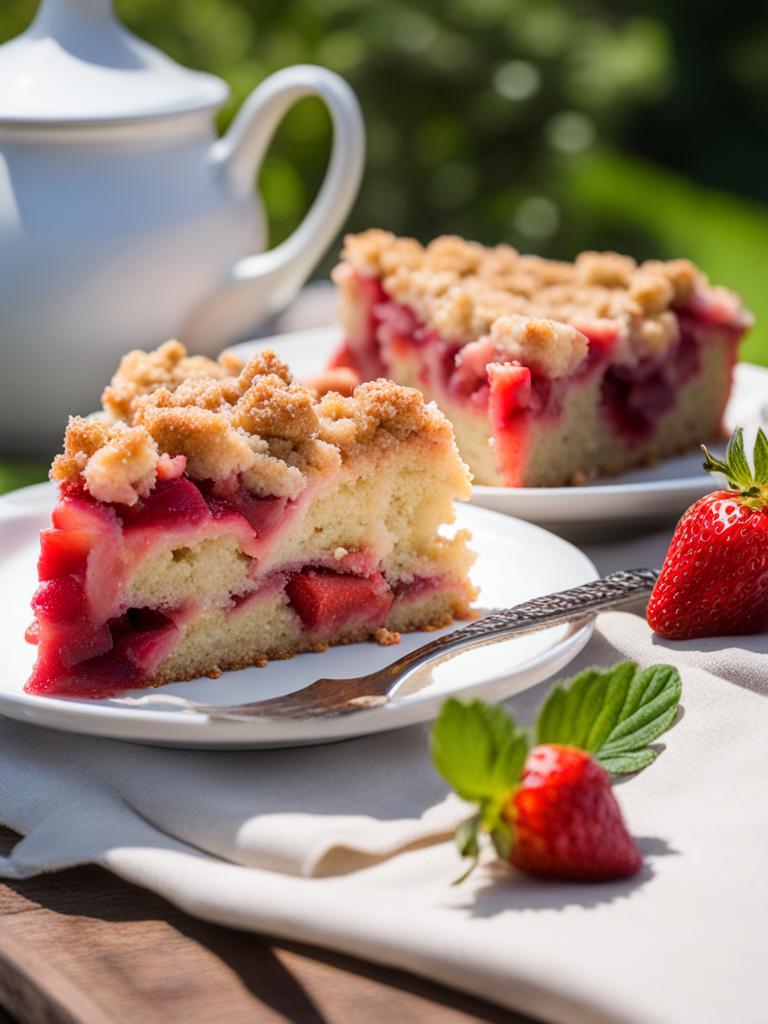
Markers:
<point>550,372</point>
<point>221,515</point>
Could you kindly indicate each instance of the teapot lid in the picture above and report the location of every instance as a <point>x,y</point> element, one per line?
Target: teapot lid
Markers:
<point>77,64</point>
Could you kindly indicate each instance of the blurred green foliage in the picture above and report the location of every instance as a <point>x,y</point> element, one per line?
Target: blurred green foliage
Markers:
<point>554,125</point>
<point>20,474</point>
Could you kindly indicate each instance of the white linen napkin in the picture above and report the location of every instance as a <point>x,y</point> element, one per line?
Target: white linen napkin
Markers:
<point>346,846</point>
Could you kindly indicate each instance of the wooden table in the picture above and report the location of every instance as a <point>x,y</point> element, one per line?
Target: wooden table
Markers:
<point>83,946</point>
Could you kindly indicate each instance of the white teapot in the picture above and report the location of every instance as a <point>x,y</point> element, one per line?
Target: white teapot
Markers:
<point>125,221</point>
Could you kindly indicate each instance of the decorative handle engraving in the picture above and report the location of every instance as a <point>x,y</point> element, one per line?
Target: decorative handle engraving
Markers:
<point>540,613</point>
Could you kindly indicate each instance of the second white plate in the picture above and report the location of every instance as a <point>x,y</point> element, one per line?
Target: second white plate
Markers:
<point>639,500</point>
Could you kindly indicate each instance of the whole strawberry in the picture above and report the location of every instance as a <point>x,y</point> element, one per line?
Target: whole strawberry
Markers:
<point>714,581</point>
<point>550,810</point>
<point>565,822</point>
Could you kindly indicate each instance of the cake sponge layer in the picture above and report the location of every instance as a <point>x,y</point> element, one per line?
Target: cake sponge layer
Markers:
<point>579,444</point>
<point>268,629</point>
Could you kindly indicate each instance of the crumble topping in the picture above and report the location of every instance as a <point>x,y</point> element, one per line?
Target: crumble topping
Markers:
<point>118,462</point>
<point>386,637</point>
<point>167,366</point>
<point>609,269</point>
<point>270,407</point>
<point>681,274</point>
<point>378,410</point>
<point>555,349</point>
<point>340,379</point>
<point>652,290</point>
<point>236,425</point>
<point>461,289</point>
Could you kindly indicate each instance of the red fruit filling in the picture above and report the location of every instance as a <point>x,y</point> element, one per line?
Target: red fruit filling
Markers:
<point>78,657</point>
<point>363,355</point>
<point>88,643</point>
<point>62,553</point>
<point>419,586</point>
<point>508,402</point>
<point>632,398</point>
<point>172,503</point>
<point>326,601</point>
<point>261,514</point>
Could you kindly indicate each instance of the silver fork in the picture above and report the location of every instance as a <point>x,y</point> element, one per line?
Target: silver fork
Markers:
<point>329,698</point>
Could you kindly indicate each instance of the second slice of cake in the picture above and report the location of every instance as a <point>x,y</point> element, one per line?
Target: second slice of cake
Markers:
<point>222,516</point>
<point>551,372</point>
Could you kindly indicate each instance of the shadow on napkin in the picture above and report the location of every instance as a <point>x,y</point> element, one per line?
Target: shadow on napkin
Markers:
<point>506,889</point>
<point>311,811</point>
<point>502,893</point>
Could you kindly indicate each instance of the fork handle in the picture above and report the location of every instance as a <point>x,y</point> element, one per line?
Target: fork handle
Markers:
<point>613,591</point>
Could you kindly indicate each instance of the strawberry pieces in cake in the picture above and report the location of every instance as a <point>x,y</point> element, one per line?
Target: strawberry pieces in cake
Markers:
<point>551,372</point>
<point>221,515</point>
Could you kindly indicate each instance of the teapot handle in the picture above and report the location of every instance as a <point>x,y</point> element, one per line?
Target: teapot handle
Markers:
<point>275,276</point>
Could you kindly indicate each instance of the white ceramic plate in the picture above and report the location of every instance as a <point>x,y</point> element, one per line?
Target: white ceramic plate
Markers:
<point>516,561</point>
<point>634,501</point>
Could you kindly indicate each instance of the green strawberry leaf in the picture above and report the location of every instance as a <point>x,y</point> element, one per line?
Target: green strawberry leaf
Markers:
<point>736,460</point>
<point>468,842</point>
<point>625,764</point>
<point>479,750</point>
<point>502,837</point>
<point>760,457</point>
<point>752,484</point>
<point>613,715</point>
<point>467,838</point>
<point>583,713</point>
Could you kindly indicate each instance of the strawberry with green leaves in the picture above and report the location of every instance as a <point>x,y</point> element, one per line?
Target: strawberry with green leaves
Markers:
<point>549,809</point>
<point>714,581</point>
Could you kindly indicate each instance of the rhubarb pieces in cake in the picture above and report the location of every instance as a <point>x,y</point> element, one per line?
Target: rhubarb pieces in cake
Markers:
<point>221,515</point>
<point>550,372</point>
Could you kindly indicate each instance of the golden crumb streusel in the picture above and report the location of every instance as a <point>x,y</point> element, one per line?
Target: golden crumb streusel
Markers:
<point>462,289</point>
<point>340,379</point>
<point>118,462</point>
<point>552,348</point>
<point>167,366</point>
<point>248,423</point>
